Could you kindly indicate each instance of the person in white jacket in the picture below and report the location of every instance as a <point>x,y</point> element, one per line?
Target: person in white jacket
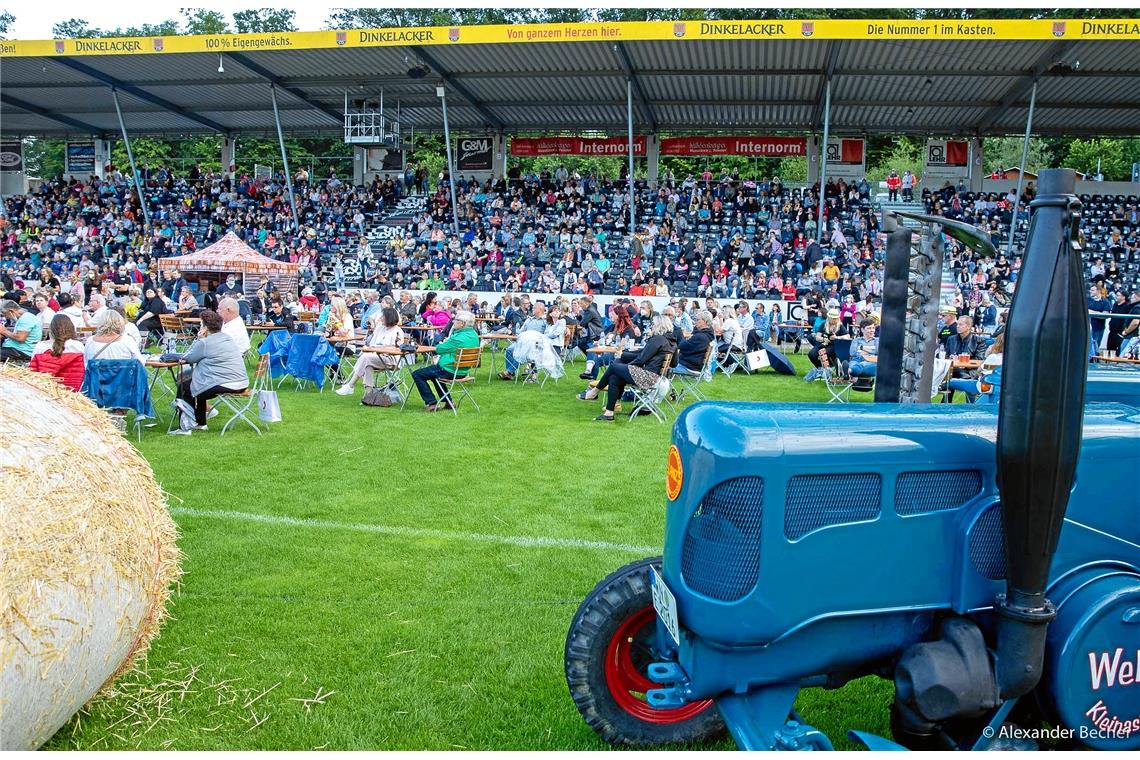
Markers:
<point>386,332</point>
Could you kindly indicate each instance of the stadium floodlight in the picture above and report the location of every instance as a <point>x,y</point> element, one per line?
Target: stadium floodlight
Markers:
<point>439,91</point>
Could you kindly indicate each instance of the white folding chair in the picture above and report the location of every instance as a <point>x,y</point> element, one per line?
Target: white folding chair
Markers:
<point>242,403</point>
<point>690,380</point>
<point>652,399</point>
<point>734,359</point>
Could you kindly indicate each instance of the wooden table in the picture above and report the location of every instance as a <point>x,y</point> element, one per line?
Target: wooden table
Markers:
<point>616,350</point>
<point>1116,360</point>
<point>967,364</point>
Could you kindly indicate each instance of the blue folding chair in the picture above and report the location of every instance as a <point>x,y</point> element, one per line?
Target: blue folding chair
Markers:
<point>119,384</point>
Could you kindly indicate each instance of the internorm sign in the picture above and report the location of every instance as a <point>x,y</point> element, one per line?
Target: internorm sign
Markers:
<point>821,29</point>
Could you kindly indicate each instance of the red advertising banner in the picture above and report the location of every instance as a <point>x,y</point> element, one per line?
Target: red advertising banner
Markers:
<point>576,146</point>
<point>734,145</point>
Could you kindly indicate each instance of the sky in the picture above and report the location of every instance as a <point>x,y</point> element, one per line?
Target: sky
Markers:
<point>34,20</point>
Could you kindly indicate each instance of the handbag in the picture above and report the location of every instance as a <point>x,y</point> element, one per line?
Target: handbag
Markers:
<point>268,407</point>
<point>376,397</point>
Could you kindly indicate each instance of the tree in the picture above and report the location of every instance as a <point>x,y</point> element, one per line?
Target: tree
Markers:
<point>203,21</point>
<point>1005,153</point>
<point>6,21</point>
<point>1115,164</point>
<point>74,28</point>
<point>265,20</point>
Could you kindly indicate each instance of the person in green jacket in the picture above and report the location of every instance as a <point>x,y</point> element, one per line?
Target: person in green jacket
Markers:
<point>463,335</point>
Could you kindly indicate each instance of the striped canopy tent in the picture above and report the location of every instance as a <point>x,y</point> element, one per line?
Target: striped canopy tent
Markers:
<point>231,254</point>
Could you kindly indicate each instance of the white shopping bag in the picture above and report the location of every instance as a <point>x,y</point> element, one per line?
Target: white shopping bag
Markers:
<point>268,408</point>
<point>757,360</point>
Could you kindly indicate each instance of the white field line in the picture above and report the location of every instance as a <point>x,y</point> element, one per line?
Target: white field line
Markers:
<point>397,530</point>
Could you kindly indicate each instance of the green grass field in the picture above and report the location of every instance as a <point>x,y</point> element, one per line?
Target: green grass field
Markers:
<point>362,578</point>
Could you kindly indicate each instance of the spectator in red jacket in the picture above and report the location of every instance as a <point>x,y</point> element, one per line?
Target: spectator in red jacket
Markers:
<point>894,182</point>
<point>62,356</point>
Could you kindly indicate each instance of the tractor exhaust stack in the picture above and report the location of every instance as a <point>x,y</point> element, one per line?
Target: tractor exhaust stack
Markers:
<point>1039,424</point>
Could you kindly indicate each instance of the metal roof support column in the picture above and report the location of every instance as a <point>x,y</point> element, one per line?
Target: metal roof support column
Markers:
<point>285,160</point>
<point>629,121</point>
<point>823,158</point>
<point>1021,172</point>
<point>441,91</point>
<point>131,158</point>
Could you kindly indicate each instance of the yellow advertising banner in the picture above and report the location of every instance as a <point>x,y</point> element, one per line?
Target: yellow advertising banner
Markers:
<point>820,29</point>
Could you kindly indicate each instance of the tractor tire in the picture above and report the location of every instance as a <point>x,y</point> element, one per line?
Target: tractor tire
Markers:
<point>607,655</point>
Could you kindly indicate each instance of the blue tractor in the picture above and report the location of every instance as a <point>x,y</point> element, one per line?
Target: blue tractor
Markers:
<point>987,562</point>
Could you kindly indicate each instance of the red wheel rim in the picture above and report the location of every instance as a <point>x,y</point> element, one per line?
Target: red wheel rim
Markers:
<point>627,684</point>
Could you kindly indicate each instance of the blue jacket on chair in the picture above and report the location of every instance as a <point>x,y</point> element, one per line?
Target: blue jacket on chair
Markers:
<point>118,384</point>
<point>276,346</point>
<point>308,357</point>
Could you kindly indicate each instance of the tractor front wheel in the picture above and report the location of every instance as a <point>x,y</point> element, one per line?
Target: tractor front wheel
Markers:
<point>608,652</point>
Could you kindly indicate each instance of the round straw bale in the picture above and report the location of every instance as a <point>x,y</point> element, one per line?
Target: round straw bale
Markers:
<point>87,555</point>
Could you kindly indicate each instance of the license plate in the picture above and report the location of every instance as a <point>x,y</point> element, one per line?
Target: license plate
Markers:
<point>666,605</point>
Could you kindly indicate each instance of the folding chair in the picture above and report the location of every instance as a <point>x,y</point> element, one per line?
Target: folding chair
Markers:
<point>652,398</point>
<point>465,359</point>
<point>690,380</point>
<point>175,338</point>
<point>733,359</point>
<point>119,384</point>
<point>837,379</point>
<point>240,403</point>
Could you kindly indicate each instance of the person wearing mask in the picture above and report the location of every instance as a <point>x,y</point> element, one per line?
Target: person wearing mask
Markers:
<point>19,340</point>
<point>232,324</point>
<point>644,370</point>
<point>62,355</point>
<point>386,332</point>
<point>229,287</point>
<point>218,367</point>
<point>463,335</point>
<point>864,351</point>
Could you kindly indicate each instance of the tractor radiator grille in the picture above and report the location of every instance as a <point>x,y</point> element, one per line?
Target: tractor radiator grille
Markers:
<point>817,501</point>
<point>987,549</point>
<point>917,493</point>
<point>721,555</point>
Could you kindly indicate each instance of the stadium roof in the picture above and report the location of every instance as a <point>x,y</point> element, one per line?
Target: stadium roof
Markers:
<point>938,78</point>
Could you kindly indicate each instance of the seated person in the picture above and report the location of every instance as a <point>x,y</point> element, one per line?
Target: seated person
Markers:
<point>643,370</point>
<point>864,351</point>
<point>21,338</point>
<point>463,335</point>
<point>692,349</point>
<point>731,336</point>
<point>623,331</point>
<point>986,389</point>
<point>62,355</point>
<point>387,332</point>
<point>149,311</point>
<point>218,367</point>
<point>823,338</point>
<point>111,340</point>
<point>964,343</point>
<point>232,324</point>
<point>282,317</point>
<point>536,322</point>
